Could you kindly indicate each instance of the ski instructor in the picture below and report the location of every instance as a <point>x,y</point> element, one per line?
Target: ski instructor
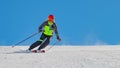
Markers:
<point>47,28</point>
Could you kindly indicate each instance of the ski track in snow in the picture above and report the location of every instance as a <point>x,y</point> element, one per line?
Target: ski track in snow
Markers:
<point>61,57</point>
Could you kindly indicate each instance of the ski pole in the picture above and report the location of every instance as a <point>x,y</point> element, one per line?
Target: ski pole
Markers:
<point>26,39</point>
<point>52,46</point>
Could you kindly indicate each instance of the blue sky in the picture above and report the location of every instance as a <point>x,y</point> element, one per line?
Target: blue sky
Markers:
<point>80,22</point>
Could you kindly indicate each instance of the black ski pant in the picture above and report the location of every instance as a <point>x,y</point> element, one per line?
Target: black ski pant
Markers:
<point>43,42</point>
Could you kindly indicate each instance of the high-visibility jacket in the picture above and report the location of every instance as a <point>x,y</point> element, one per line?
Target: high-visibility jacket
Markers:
<point>48,28</point>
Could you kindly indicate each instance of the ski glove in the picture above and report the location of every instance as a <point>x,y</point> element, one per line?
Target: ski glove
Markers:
<point>58,38</point>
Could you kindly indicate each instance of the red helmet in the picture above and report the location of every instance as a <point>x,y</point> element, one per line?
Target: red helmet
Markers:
<point>51,17</point>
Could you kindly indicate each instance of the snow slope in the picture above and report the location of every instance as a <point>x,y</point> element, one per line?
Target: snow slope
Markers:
<point>61,57</point>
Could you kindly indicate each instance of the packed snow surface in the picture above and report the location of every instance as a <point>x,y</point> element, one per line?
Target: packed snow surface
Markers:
<point>61,57</point>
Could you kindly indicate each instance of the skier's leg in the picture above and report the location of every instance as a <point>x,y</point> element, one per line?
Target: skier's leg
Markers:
<point>45,43</point>
<point>37,43</point>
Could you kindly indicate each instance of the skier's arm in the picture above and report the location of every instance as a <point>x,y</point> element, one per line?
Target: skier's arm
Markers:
<point>56,32</point>
<point>41,26</point>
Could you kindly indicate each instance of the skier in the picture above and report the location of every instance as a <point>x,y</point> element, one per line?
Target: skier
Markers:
<point>47,28</point>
